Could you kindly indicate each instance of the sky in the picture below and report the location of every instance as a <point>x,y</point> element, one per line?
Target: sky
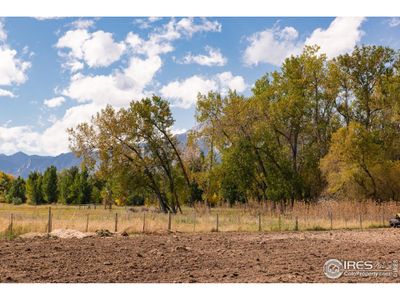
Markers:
<point>57,72</point>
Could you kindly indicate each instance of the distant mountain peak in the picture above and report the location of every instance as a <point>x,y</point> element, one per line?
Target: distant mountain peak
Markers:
<point>21,164</point>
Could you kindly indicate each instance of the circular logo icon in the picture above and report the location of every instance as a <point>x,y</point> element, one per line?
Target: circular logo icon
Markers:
<point>333,268</point>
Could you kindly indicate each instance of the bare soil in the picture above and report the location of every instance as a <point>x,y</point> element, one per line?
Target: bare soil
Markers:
<point>203,257</point>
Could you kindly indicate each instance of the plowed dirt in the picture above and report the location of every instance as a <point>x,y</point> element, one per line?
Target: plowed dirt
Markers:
<point>203,257</point>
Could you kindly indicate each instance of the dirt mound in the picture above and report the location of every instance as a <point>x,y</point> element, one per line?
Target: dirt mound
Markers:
<point>58,233</point>
<point>70,233</point>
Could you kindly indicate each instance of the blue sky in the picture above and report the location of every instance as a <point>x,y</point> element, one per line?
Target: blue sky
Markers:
<point>55,73</point>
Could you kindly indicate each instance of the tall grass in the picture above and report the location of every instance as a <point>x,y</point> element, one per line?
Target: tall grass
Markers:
<point>345,214</point>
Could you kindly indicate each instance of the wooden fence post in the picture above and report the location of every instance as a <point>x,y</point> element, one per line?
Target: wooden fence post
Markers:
<point>49,225</point>
<point>11,224</point>
<point>144,222</point>
<point>279,222</point>
<point>194,221</point>
<point>330,216</point>
<point>259,222</point>
<point>361,226</point>
<point>87,222</point>
<point>217,223</point>
<point>116,222</point>
<point>169,221</point>
<point>296,225</point>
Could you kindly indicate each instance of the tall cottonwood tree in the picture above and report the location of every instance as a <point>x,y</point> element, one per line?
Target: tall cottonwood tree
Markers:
<point>139,137</point>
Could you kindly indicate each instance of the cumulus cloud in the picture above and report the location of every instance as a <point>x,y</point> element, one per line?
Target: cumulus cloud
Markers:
<point>12,68</point>
<point>5,93</point>
<point>97,49</point>
<point>272,46</point>
<point>54,102</point>
<point>52,141</point>
<point>22,138</point>
<point>340,37</point>
<point>213,57</point>
<point>275,44</point>
<point>118,88</point>
<point>184,92</point>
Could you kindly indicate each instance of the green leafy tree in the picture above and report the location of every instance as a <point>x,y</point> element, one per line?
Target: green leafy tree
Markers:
<point>17,192</point>
<point>34,188</point>
<point>50,185</point>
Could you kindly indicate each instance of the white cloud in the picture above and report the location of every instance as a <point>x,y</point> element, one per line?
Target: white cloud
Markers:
<point>5,93</point>
<point>274,45</point>
<point>184,92</point>
<point>52,141</point>
<point>118,88</point>
<point>160,40</point>
<point>213,57</point>
<point>340,37</point>
<point>188,26</point>
<point>54,102</point>
<point>21,138</point>
<point>146,23</point>
<point>394,22</point>
<point>12,69</point>
<point>83,23</point>
<point>96,49</point>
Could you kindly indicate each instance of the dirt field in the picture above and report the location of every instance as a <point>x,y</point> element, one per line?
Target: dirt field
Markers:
<point>210,257</point>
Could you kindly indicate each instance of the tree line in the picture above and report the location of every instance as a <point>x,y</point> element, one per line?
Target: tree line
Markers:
<point>315,128</point>
<point>70,186</point>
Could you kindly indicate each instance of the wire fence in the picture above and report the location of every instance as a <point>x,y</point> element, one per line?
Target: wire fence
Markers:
<point>43,219</point>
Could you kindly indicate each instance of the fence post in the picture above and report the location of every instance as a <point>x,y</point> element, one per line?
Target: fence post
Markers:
<point>330,216</point>
<point>144,222</point>
<point>116,222</point>
<point>296,225</point>
<point>194,221</point>
<point>217,223</point>
<point>11,224</point>
<point>279,222</point>
<point>169,221</point>
<point>87,222</point>
<point>49,225</point>
<point>259,222</point>
<point>361,227</point>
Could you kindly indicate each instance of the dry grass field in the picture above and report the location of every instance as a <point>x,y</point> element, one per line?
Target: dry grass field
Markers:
<point>325,215</point>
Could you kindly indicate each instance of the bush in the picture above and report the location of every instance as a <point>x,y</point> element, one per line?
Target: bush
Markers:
<point>135,200</point>
<point>17,201</point>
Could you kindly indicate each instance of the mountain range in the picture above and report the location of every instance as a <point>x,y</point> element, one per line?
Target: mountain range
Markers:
<point>21,164</point>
